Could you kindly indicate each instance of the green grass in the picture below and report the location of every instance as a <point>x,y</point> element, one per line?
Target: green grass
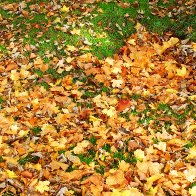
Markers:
<point>113,19</point>
<point>36,130</point>
<point>29,158</point>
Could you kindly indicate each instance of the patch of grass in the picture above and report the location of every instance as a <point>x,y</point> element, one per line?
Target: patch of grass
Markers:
<point>28,158</point>
<point>6,14</point>
<point>1,100</point>
<point>107,147</point>
<point>188,144</point>
<point>100,170</point>
<point>89,94</point>
<point>38,72</point>
<point>192,185</point>
<point>36,130</point>
<point>135,96</point>
<point>1,159</point>
<point>3,49</point>
<point>71,168</point>
<point>39,19</point>
<point>8,193</point>
<point>115,22</point>
<point>87,158</point>
<point>93,140</point>
<point>120,155</point>
<point>45,85</point>
<point>55,75</point>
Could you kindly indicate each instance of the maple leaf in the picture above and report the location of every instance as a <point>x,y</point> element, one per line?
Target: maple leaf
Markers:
<point>109,112</point>
<point>47,129</point>
<point>11,174</point>
<point>39,64</point>
<point>116,179</point>
<point>75,31</point>
<point>14,75</point>
<point>64,9</point>
<point>42,186</point>
<point>81,146</point>
<point>123,104</point>
<point>71,48</point>
<point>161,146</point>
<point>95,121</point>
<point>131,41</point>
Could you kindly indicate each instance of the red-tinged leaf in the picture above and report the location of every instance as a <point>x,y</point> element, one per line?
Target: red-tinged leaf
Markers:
<point>123,104</point>
<point>124,71</point>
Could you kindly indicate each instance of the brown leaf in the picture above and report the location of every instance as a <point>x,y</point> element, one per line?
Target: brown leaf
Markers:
<point>27,174</point>
<point>10,65</point>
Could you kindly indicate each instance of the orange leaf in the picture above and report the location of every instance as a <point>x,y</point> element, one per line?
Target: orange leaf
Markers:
<point>124,71</point>
<point>123,104</point>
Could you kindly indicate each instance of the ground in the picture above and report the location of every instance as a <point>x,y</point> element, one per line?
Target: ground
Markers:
<point>97,97</point>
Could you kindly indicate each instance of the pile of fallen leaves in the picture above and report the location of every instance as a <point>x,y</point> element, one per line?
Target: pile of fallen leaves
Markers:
<point>120,126</point>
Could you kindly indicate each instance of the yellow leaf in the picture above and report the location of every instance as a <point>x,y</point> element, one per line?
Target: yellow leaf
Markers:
<point>130,192</point>
<point>95,121</point>
<point>192,97</point>
<point>1,141</point>
<point>14,75</point>
<point>152,179</point>
<point>170,90</point>
<point>153,191</point>
<point>47,129</point>
<point>34,166</point>
<point>116,70</point>
<point>75,31</point>
<point>192,153</point>
<point>109,60</point>
<point>131,41</point>
<point>161,146</point>
<point>11,174</point>
<point>111,112</point>
<point>124,166</point>
<point>57,20</point>
<point>42,186</point>
<point>181,72</point>
<point>23,133</point>
<point>80,146</point>
<point>192,127</point>
<point>71,48</point>
<point>139,154</point>
<point>194,46</point>
<point>176,141</point>
<point>64,9</point>
<point>192,191</point>
<point>160,49</point>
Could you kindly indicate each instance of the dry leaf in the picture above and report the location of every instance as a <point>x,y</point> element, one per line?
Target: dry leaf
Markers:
<point>42,186</point>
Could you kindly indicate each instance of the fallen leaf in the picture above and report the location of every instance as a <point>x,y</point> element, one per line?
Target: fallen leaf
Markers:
<point>42,186</point>
<point>123,104</point>
<point>64,9</point>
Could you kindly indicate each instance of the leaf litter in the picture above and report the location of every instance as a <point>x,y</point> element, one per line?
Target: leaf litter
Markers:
<point>123,125</point>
